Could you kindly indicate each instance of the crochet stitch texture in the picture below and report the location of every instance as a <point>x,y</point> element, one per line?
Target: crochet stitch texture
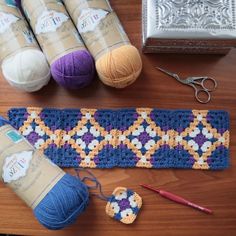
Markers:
<point>142,137</point>
<point>124,205</point>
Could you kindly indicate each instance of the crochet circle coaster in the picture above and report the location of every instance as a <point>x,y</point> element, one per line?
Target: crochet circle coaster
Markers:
<point>124,205</point>
<point>142,137</point>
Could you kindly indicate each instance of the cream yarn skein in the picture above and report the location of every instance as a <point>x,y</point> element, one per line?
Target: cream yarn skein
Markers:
<point>23,64</point>
<point>27,70</point>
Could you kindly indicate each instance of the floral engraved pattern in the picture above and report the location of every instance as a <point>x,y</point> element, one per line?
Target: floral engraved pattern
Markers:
<point>196,14</point>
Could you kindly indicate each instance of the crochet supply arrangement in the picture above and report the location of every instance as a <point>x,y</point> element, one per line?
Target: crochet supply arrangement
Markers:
<point>75,41</point>
<point>141,137</point>
<point>75,37</point>
<point>43,185</point>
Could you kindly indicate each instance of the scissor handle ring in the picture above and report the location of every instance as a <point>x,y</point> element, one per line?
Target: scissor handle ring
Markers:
<point>213,81</point>
<point>198,91</point>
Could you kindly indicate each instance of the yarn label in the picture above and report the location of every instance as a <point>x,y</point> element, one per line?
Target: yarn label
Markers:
<point>50,21</point>
<point>14,136</point>
<point>53,27</point>
<point>98,25</point>
<point>15,34</point>
<point>26,170</point>
<point>90,19</point>
<point>16,165</point>
<point>6,20</point>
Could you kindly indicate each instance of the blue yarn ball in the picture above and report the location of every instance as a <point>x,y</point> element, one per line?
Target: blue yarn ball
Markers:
<point>63,204</point>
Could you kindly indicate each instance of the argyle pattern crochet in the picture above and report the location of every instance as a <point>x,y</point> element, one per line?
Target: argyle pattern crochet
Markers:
<point>142,137</point>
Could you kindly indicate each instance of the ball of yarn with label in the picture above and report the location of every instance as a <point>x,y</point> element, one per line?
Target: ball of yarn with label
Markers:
<point>72,66</point>
<point>27,70</point>
<point>118,63</point>
<point>74,70</point>
<point>62,205</point>
<point>23,64</point>
<point>120,67</point>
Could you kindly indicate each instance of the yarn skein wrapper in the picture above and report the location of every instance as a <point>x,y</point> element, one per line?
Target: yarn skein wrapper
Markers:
<point>64,203</point>
<point>26,70</point>
<point>120,67</point>
<point>74,70</point>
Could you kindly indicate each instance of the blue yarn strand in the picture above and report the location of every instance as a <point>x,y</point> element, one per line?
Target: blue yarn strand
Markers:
<point>94,180</point>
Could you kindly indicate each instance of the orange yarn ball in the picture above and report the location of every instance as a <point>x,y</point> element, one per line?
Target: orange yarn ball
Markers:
<point>120,67</point>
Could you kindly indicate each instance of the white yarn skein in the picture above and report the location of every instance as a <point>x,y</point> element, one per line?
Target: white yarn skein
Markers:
<point>27,70</point>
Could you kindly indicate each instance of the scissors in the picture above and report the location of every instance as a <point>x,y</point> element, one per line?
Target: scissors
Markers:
<point>199,84</point>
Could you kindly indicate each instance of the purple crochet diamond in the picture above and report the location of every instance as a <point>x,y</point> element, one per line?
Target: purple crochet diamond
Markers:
<point>88,138</point>
<point>200,139</point>
<point>33,137</point>
<point>144,137</point>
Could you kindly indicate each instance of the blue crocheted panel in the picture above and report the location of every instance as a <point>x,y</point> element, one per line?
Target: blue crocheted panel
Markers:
<point>142,137</point>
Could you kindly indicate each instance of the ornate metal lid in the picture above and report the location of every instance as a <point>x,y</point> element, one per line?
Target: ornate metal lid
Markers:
<point>178,19</point>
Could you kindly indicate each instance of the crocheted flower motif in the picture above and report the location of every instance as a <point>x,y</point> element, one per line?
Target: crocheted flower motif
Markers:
<point>35,136</point>
<point>201,139</point>
<point>143,137</point>
<point>124,205</point>
<point>88,137</point>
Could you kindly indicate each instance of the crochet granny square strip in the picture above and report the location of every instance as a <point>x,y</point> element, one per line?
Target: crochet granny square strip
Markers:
<point>142,137</point>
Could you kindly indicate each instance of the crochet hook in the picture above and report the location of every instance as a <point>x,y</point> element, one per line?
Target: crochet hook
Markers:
<point>177,199</point>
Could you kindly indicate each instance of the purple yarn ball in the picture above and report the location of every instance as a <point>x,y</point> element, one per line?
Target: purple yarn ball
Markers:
<point>74,70</point>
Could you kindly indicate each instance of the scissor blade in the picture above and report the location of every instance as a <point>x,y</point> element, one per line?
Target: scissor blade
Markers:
<point>168,72</point>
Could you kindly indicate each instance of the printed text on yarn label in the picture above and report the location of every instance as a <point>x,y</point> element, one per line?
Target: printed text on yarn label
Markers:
<point>98,25</point>
<point>14,31</point>
<point>90,19</point>
<point>6,20</point>
<point>53,27</point>
<point>23,168</point>
<point>50,21</point>
<point>16,165</point>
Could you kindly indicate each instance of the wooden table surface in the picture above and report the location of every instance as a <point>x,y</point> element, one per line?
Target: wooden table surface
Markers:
<point>213,189</point>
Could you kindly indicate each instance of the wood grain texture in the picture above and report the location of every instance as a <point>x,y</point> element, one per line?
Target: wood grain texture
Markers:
<point>213,189</point>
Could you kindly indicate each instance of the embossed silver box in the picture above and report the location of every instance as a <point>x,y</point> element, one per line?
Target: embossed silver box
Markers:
<point>189,26</point>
